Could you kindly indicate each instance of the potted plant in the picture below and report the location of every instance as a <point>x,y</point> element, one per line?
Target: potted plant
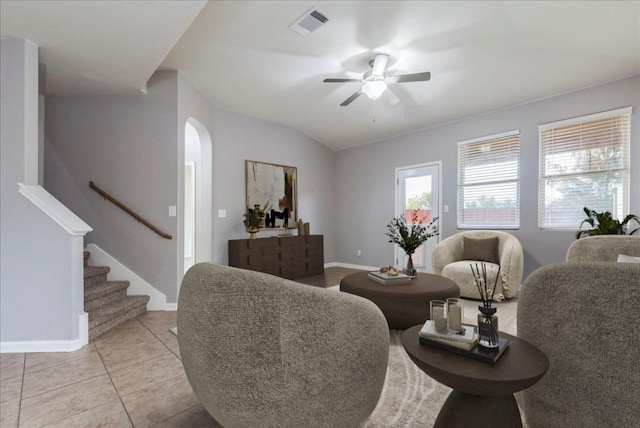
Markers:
<point>605,224</point>
<point>410,236</point>
<point>252,219</point>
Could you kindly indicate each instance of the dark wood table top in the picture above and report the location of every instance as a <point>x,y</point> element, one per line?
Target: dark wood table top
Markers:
<point>423,283</point>
<point>519,367</point>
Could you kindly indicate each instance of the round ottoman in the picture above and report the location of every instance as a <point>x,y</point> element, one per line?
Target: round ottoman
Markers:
<point>403,305</point>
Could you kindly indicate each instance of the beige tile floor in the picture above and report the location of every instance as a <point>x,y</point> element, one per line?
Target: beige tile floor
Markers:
<point>131,376</point>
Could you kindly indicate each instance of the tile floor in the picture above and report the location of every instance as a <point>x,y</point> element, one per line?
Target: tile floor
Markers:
<point>131,376</point>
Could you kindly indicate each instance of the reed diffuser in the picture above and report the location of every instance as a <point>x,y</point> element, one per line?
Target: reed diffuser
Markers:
<point>487,318</point>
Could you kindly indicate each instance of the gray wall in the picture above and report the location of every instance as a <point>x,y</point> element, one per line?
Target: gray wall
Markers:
<point>365,176</point>
<point>126,144</point>
<point>131,145</point>
<point>237,138</point>
<point>37,301</point>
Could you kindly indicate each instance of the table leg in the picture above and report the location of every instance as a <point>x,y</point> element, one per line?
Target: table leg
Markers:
<point>491,411</point>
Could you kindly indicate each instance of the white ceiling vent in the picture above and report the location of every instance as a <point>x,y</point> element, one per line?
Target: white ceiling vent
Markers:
<point>308,22</point>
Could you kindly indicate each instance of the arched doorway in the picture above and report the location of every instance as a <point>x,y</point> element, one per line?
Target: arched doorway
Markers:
<point>197,191</point>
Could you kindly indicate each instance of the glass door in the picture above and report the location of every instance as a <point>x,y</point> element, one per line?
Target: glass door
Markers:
<point>418,195</point>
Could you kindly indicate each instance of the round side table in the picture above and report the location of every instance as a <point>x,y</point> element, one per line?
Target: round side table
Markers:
<point>482,393</point>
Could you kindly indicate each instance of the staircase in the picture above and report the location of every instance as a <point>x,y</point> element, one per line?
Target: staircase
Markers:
<point>107,302</point>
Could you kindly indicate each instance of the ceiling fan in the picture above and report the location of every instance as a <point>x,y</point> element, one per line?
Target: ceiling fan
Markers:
<point>374,82</point>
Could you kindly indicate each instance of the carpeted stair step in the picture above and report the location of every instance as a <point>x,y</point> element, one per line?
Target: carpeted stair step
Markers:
<point>108,316</point>
<point>103,293</point>
<point>107,302</point>
<point>95,274</point>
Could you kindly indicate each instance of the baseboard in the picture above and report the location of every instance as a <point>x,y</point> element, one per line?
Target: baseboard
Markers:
<point>83,328</point>
<point>352,266</point>
<point>51,345</point>
<point>137,287</point>
<point>171,307</point>
<point>41,346</point>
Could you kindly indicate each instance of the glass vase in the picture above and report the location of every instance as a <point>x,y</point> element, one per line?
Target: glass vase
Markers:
<point>487,328</point>
<point>410,270</point>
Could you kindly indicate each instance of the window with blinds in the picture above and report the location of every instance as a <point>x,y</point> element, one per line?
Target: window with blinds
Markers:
<point>489,182</point>
<point>584,162</point>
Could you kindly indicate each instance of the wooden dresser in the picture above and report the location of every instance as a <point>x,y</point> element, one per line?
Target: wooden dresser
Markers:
<point>288,257</point>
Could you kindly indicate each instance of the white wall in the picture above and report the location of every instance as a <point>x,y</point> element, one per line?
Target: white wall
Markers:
<point>194,190</point>
<point>41,277</point>
<point>365,175</point>
<point>126,144</point>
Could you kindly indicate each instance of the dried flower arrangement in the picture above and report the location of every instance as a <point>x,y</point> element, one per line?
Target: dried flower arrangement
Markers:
<point>487,293</point>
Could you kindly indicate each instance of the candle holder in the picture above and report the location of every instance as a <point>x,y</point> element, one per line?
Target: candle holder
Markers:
<point>437,314</point>
<point>454,314</point>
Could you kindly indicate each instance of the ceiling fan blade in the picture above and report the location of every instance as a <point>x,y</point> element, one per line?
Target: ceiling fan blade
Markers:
<point>341,80</point>
<point>379,64</point>
<point>415,77</point>
<point>351,98</point>
<point>391,97</point>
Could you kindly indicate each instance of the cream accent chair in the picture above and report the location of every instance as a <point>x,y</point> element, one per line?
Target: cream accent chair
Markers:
<point>263,351</point>
<point>448,261</point>
<point>583,314</point>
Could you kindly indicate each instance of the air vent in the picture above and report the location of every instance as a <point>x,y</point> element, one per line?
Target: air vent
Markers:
<point>308,22</point>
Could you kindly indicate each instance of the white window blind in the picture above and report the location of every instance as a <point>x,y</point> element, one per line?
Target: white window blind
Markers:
<point>489,182</point>
<point>584,162</point>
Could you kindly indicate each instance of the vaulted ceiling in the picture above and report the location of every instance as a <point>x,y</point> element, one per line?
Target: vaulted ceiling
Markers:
<point>482,55</point>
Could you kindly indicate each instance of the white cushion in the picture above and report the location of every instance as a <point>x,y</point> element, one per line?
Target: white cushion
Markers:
<point>627,259</point>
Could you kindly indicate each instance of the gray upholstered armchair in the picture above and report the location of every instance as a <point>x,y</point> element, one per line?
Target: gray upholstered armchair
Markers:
<point>452,256</point>
<point>583,314</point>
<point>603,248</point>
<point>263,351</point>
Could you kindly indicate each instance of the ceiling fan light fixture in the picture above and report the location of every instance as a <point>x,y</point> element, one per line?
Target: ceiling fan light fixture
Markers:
<point>374,88</point>
<point>375,81</point>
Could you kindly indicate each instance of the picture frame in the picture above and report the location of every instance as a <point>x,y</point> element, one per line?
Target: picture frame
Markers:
<point>274,188</point>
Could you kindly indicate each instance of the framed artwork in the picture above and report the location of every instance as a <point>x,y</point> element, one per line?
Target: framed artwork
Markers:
<point>275,189</point>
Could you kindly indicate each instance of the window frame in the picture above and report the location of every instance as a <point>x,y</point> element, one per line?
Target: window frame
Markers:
<point>544,152</point>
<point>461,186</point>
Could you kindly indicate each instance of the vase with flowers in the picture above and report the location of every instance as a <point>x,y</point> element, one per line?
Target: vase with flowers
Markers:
<point>410,236</point>
<point>487,318</point>
<point>252,218</point>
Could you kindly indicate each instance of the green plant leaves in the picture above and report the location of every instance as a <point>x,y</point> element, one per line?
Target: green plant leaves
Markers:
<point>605,224</point>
